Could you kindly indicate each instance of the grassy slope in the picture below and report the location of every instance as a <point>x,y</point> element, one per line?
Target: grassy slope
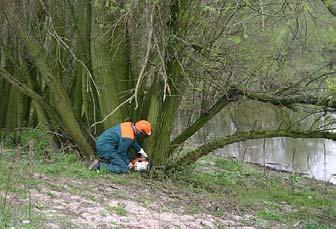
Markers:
<point>285,198</point>
<point>215,186</point>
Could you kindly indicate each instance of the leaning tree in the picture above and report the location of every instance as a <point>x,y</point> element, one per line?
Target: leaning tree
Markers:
<point>78,67</point>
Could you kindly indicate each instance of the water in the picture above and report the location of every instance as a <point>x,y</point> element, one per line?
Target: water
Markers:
<point>314,157</point>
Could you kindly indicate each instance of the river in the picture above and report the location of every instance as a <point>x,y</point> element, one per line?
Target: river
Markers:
<point>314,157</point>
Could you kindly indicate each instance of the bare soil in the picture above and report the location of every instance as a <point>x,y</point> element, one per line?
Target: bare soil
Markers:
<point>101,203</point>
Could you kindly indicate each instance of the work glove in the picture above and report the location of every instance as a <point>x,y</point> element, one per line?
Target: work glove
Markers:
<point>143,153</point>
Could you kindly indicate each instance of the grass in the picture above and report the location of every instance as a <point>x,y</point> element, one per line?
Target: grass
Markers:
<point>273,196</point>
<point>120,210</point>
<point>270,215</point>
<point>19,216</point>
<point>229,185</point>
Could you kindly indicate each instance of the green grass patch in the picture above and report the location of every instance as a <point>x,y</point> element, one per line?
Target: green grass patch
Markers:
<point>270,215</point>
<point>64,164</point>
<point>248,187</point>
<point>120,210</point>
<point>19,216</point>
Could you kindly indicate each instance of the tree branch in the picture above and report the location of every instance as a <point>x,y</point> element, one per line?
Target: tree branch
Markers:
<point>203,150</point>
<point>204,118</point>
<point>233,94</point>
<point>25,89</point>
<point>290,100</point>
<point>21,86</point>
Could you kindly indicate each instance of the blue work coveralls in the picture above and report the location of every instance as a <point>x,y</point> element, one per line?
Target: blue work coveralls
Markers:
<point>113,147</point>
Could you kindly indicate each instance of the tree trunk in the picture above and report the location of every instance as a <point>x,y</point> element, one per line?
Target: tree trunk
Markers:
<point>110,61</point>
<point>85,95</point>
<point>165,103</point>
<point>58,93</point>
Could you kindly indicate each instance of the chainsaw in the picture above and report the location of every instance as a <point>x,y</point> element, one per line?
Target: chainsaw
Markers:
<point>140,164</point>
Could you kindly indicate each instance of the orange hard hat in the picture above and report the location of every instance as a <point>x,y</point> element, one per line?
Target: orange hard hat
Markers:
<point>144,126</point>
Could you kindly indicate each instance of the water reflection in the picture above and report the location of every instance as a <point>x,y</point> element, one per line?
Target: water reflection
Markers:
<point>314,157</point>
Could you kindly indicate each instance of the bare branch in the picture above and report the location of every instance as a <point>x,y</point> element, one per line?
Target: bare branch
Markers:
<point>129,100</point>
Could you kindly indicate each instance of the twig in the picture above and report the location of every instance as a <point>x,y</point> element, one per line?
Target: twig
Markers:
<point>164,71</point>
<point>262,14</point>
<point>244,153</point>
<point>107,116</point>
<point>293,172</point>
<point>30,174</point>
<point>149,44</point>
<point>264,163</point>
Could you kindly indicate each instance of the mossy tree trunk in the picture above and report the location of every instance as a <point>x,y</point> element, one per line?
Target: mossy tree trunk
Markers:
<point>85,95</point>
<point>110,58</point>
<point>169,88</point>
<point>59,96</point>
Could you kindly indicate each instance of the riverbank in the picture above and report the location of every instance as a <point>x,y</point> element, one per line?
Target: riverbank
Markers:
<point>55,190</point>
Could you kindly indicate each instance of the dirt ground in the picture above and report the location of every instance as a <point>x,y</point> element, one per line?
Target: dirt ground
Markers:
<point>99,203</point>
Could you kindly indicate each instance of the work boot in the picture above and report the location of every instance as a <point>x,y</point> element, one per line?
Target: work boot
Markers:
<point>94,165</point>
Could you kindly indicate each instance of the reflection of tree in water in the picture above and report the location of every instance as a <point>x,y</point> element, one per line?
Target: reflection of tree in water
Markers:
<point>250,115</point>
